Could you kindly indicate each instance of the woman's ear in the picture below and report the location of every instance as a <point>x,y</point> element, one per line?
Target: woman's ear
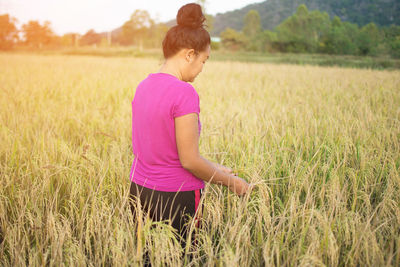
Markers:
<point>189,55</point>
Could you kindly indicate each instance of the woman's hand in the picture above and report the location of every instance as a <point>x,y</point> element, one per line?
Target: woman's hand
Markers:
<point>239,186</point>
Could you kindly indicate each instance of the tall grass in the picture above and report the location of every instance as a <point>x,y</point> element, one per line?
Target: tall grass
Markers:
<point>322,145</point>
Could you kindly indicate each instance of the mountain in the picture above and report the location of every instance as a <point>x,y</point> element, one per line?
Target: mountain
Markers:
<point>273,12</point>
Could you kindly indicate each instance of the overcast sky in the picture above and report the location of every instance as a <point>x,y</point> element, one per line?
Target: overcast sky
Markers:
<point>102,15</point>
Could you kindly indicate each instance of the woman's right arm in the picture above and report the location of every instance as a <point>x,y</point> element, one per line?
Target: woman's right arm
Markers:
<point>187,141</point>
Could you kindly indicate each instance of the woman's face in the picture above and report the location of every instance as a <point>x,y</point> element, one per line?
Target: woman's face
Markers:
<point>195,65</point>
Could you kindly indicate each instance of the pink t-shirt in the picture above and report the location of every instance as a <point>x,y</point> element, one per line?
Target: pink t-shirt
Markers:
<point>158,100</point>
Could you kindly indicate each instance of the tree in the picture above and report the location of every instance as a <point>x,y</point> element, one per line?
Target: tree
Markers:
<point>70,39</point>
<point>252,24</point>
<point>303,31</point>
<point>8,32</point>
<point>90,38</point>
<point>395,47</point>
<point>156,35</point>
<point>209,22</point>
<point>368,39</point>
<point>136,30</point>
<point>37,35</point>
<point>269,41</point>
<point>392,40</point>
<point>252,30</point>
<point>233,40</point>
<point>341,38</point>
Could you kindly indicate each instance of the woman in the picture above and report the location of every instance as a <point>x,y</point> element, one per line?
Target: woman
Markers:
<point>168,172</point>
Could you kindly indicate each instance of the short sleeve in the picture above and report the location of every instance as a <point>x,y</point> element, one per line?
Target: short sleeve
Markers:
<point>187,102</point>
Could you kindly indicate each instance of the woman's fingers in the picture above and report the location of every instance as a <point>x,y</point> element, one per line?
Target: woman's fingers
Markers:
<point>228,170</point>
<point>239,186</point>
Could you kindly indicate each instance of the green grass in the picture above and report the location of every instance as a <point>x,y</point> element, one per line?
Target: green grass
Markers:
<point>364,62</point>
<point>311,59</point>
<point>322,145</point>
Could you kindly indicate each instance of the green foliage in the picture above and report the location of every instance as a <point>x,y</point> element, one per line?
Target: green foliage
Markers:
<point>341,38</point>
<point>8,32</point>
<point>274,12</point>
<point>368,39</point>
<point>302,31</point>
<point>215,45</point>
<point>252,25</point>
<point>252,30</point>
<point>209,22</point>
<point>314,32</point>
<point>392,38</point>
<point>345,61</point>
<point>250,38</point>
<point>269,41</point>
<point>395,47</point>
<point>233,40</point>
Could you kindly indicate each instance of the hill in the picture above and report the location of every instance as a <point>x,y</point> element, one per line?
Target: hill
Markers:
<point>273,12</point>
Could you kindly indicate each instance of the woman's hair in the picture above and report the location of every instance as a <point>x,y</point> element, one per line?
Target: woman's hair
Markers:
<point>189,33</point>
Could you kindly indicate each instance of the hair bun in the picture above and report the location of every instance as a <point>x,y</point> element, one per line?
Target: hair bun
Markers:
<point>190,15</point>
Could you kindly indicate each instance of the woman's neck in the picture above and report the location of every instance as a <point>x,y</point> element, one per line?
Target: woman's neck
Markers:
<point>171,67</point>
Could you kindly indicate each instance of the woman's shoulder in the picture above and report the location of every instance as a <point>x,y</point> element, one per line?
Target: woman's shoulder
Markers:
<point>172,82</point>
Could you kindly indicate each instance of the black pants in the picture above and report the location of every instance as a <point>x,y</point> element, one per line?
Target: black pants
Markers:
<point>176,207</point>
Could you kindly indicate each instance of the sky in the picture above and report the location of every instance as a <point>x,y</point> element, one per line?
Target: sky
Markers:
<point>80,16</point>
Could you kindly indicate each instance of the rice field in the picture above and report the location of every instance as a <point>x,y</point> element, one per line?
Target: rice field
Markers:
<point>322,145</point>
